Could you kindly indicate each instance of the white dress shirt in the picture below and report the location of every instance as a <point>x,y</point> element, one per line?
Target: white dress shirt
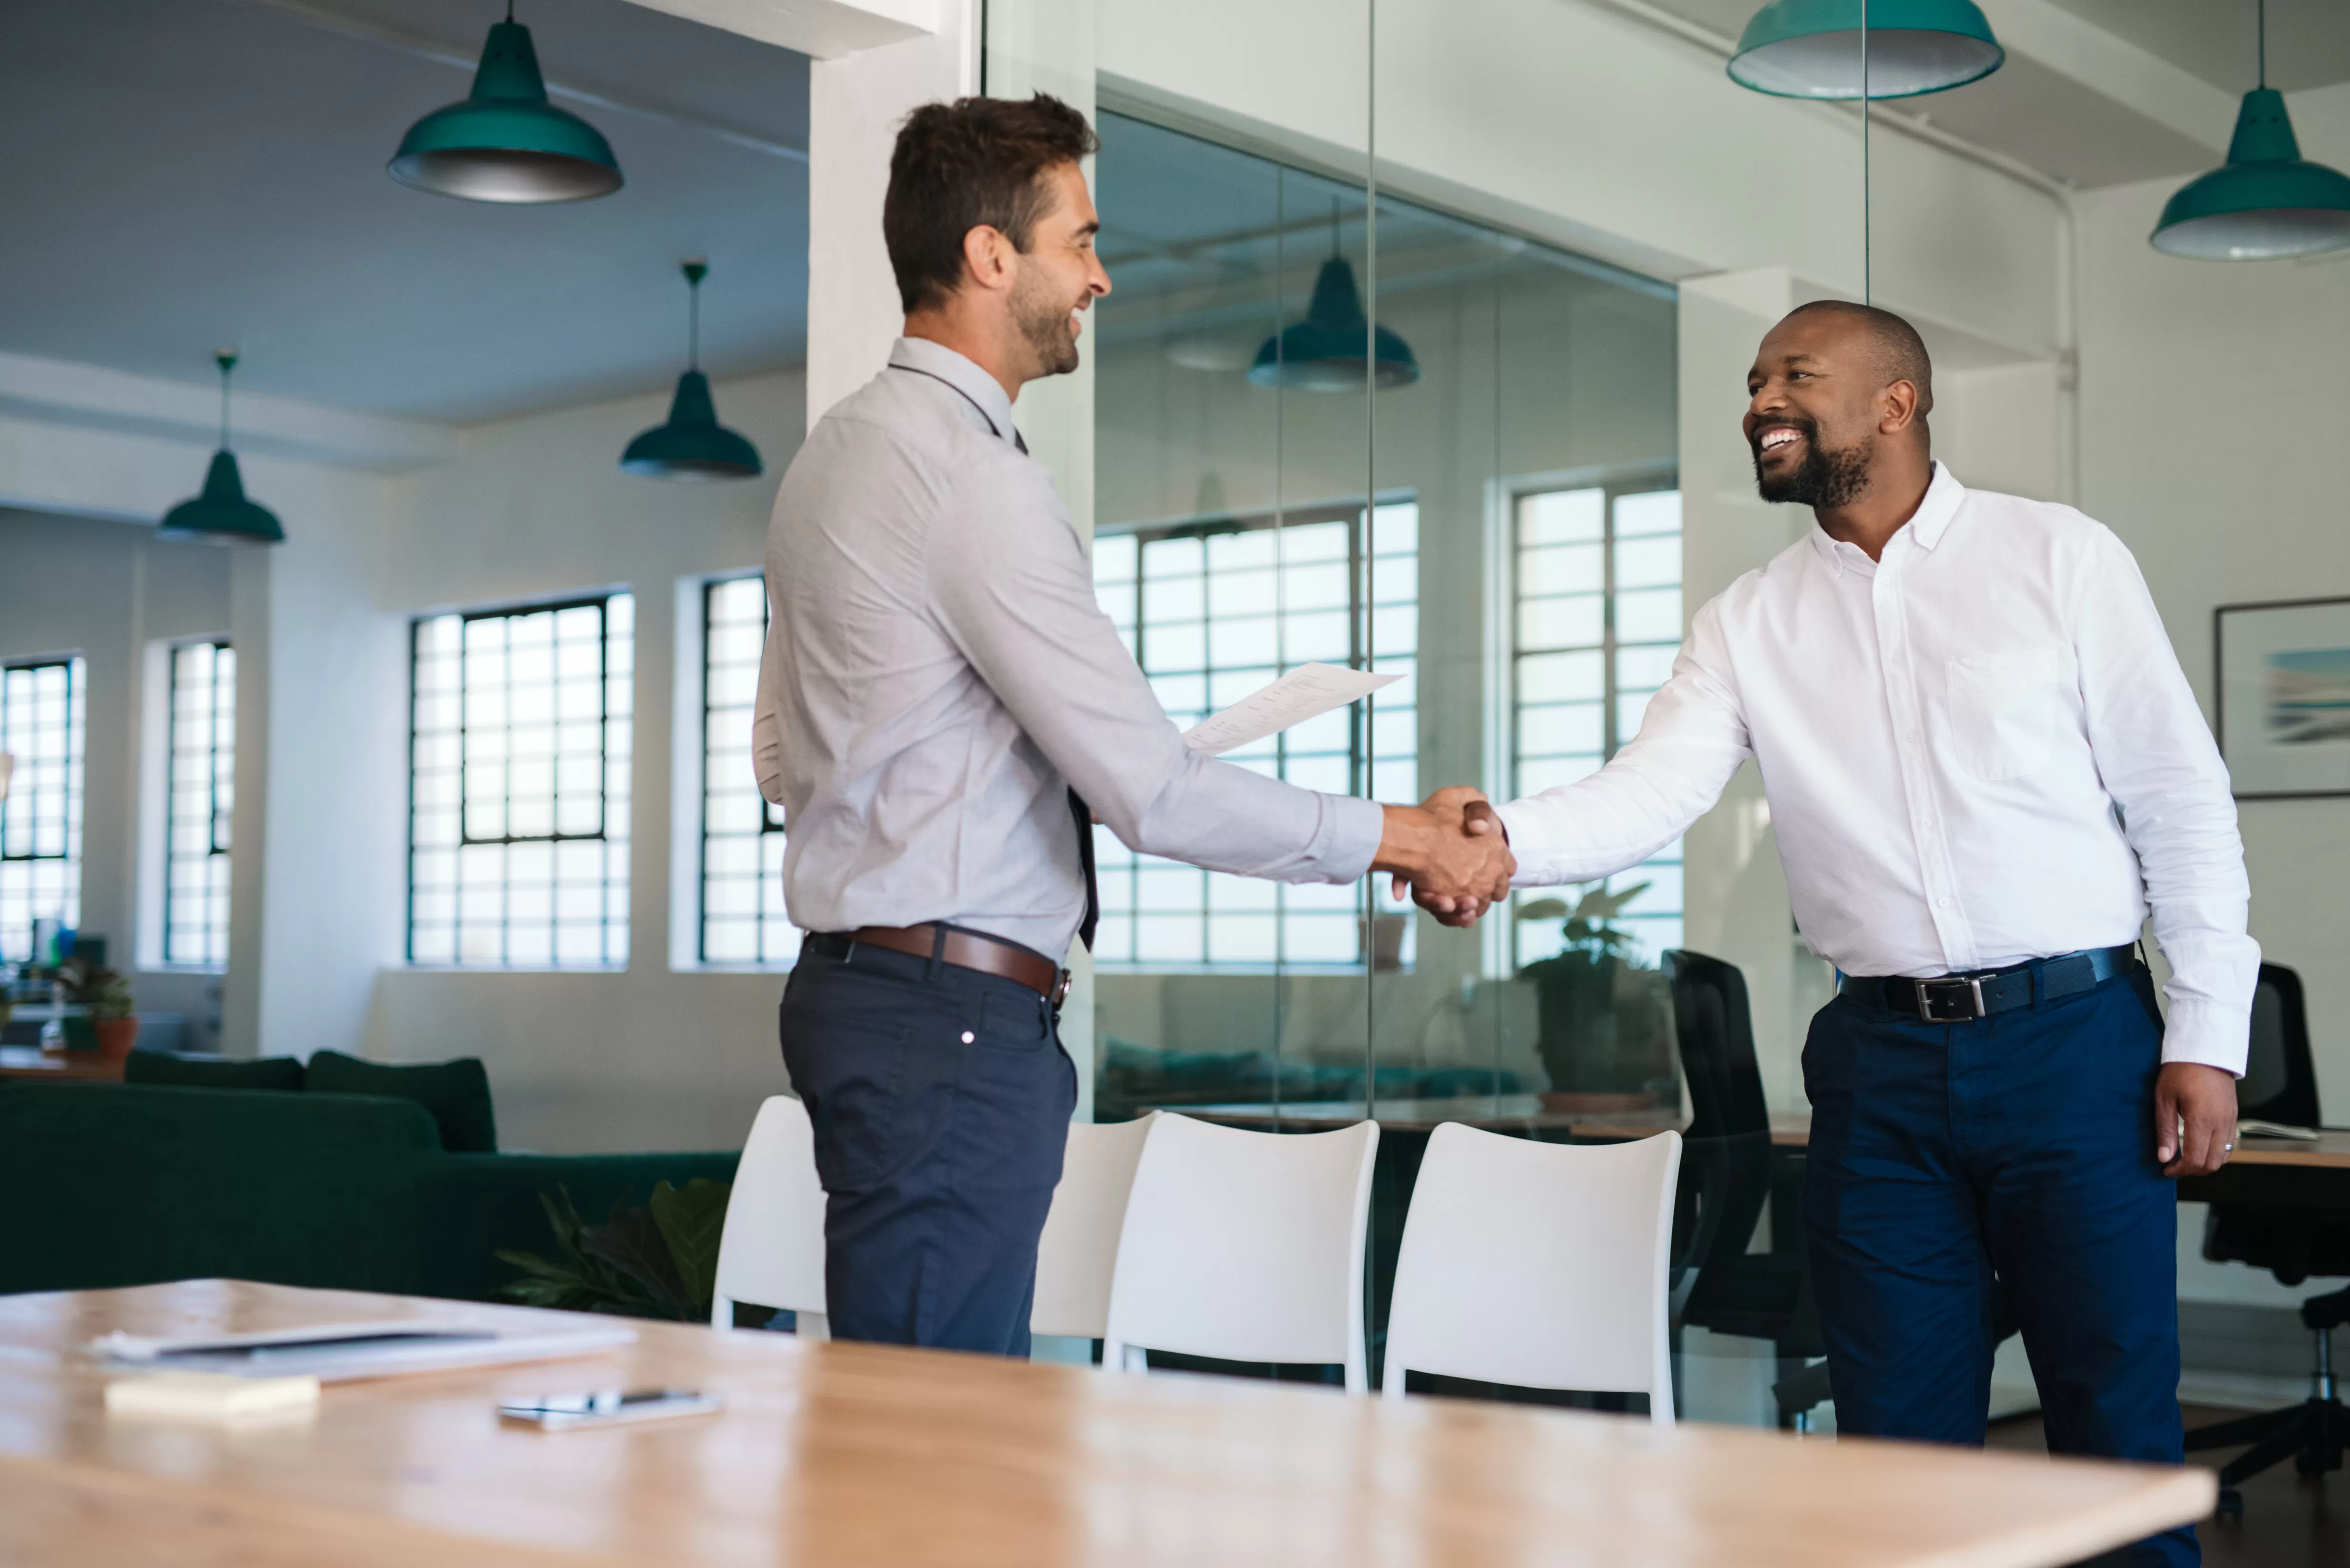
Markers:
<point>1978,750</point>
<point>938,674</point>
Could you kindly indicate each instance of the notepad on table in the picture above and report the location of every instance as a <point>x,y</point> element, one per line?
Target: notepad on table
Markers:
<point>335,1352</point>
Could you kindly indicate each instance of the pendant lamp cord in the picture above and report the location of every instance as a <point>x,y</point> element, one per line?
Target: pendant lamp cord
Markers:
<point>693,325</point>
<point>1865,258</point>
<point>226,360</point>
<point>2264,35</point>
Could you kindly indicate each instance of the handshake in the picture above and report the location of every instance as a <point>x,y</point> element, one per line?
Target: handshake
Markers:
<point>1452,851</point>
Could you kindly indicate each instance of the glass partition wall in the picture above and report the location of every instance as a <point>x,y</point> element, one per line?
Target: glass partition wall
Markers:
<point>1488,511</point>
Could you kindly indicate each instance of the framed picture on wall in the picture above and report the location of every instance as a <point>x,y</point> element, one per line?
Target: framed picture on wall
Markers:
<point>2284,697</point>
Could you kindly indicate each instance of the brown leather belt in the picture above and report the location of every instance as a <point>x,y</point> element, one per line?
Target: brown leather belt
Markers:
<point>968,950</point>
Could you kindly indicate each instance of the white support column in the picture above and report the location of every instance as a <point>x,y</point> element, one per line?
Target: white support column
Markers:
<point>855,106</point>
<point>1734,890</point>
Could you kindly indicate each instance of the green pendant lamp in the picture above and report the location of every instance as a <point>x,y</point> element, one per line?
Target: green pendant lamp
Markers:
<point>2267,202</point>
<point>222,516</point>
<point>692,445</point>
<point>1324,352</point>
<point>505,143</point>
<point>1813,48</point>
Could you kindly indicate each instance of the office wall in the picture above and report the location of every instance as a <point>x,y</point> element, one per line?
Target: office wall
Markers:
<point>649,1058</point>
<point>103,591</point>
<point>2212,410</point>
<point>526,508</point>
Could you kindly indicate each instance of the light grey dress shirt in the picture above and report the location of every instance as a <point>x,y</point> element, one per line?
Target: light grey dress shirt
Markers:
<point>937,675</point>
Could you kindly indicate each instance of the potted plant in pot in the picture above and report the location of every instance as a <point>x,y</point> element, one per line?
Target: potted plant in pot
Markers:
<point>107,1024</point>
<point>1605,1021</point>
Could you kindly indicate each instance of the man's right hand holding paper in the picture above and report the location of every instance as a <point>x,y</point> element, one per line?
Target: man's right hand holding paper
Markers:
<point>1455,872</point>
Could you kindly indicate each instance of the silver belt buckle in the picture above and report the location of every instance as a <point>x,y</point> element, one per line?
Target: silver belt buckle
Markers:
<point>1061,988</point>
<point>1961,993</point>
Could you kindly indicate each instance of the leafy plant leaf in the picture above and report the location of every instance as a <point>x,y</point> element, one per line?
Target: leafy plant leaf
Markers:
<point>691,1218</point>
<point>1599,903</point>
<point>630,1243</point>
<point>658,1261</point>
<point>1542,909</point>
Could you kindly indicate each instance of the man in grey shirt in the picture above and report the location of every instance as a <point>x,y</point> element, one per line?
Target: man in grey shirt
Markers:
<point>944,706</point>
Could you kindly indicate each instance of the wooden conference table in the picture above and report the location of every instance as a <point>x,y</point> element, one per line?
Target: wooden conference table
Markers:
<point>846,1454</point>
<point>1525,1113</point>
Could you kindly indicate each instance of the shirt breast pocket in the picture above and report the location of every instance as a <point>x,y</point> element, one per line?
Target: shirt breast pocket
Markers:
<point>2004,711</point>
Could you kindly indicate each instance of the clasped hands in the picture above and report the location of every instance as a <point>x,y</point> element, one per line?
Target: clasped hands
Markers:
<point>1452,852</point>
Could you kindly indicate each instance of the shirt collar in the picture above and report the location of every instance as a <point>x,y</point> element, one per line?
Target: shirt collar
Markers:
<point>984,391</point>
<point>1926,525</point>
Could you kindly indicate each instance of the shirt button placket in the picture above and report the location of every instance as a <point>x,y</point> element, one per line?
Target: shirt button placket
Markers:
<point>1909,742</point>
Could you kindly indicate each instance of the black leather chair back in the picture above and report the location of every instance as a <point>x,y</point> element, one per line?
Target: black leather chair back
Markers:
<point>2280,1079</point>
<point>1726,1157</point>
<point>2279,1085</point>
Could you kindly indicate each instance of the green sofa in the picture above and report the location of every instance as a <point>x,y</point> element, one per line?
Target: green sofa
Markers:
<point>126,1184</point>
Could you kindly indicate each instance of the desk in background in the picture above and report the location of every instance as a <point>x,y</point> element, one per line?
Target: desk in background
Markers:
<point>852,1454</point>
<point>65,1067</point>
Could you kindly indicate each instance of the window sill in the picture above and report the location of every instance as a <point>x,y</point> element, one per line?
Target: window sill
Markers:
<point>510,968</point>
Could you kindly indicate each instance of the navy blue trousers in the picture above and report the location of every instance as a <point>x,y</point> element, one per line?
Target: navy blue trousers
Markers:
<point>940,1098</point>
<point>2014,1152</point>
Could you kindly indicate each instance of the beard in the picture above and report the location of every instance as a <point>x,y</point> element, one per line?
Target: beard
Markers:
<point>1048,324</point>
<point>1824,479</point>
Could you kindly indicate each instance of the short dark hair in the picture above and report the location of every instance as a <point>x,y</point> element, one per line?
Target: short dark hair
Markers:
<point>1900,353</point>
<point>976,161</point>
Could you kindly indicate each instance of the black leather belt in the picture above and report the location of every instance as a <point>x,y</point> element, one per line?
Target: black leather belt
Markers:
<point>953,945</point>
<point>1964,997</point>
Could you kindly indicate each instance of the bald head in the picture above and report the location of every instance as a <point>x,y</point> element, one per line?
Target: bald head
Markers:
<point>1836,406</point>
<point>1892,345</point>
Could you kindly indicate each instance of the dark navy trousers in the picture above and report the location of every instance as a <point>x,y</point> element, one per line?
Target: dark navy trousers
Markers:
<point>2012,1152</point>
<point>940,1098</point>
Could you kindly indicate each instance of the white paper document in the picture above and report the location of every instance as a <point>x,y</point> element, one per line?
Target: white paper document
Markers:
<point>1305,692</point>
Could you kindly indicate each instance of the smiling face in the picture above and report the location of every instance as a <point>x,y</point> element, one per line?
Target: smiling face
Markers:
<point>1059,276</point>
<point>1820,402</point>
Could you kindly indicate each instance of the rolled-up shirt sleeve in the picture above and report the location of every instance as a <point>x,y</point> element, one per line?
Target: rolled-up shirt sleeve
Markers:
<point>1692,740</point>
<point>1013,593</point>
<point>2160,763</point>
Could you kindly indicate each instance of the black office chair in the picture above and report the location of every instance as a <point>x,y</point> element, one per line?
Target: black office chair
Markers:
<point>2291,1240</point>
<point>1729,1172</point>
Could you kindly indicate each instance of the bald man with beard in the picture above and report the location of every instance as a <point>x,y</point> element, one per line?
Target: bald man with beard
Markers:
<point>1985,771</point>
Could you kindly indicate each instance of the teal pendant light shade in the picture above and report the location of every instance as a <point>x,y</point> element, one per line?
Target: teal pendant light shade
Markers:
<point>222,516</point>
<point>1323,353</point>
<point>692,445</point>
<point>505,143</point>
<point>2267,202</point>
<point>1812,48</point>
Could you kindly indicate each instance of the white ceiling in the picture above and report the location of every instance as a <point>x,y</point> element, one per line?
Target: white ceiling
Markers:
<point>2106,92</point>
<point>2309,40</point>
<point>191,173</point>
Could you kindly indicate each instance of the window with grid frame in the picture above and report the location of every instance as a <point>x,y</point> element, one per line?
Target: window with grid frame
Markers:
<point>1596,623</point>
<point>203,774</point>
<point>1211,611</point>
<point>41,727</point>
<point>742,917</point>
<point>519,754</point>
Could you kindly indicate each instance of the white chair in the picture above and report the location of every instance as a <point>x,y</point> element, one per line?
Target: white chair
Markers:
<point>1244,1246</point>
<point>1537,1264</point>
<point>1078,1255</point>
<point>772,1251</point>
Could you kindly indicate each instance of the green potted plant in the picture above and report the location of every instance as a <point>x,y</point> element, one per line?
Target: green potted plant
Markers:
<point>106,1023</point>
<point>1606,1021</point>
